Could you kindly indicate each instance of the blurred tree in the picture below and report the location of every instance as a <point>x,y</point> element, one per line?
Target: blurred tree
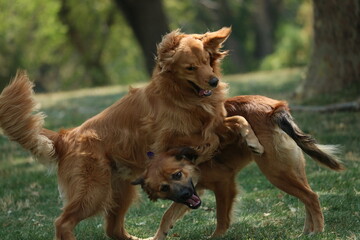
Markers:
<point>30,38</point>
<point>335,61</point>
<point>148,22</point>
<point>66,44</point>
<point>216,14</point>
<point>265,14</point>
<point>89,35</point>
<point>293,34</point>
<point>255,29</point>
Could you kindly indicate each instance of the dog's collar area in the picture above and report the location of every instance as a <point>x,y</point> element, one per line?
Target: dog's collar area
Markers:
<point>201,92</point>
<point>150,154</point>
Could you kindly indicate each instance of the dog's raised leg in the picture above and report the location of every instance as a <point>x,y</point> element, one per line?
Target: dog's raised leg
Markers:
<point>239,125</point>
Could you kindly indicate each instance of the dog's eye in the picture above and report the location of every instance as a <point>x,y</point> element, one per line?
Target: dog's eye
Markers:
<point>165,188</point>
<point>191,68</point>
<point>177,176</point>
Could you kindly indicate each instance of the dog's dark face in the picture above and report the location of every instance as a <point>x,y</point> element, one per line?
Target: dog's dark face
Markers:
<point>172,176</point>
<point>192,59</point>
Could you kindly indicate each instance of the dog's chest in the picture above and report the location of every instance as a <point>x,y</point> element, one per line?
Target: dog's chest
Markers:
<point>185,129</point>
<point>185,120</point>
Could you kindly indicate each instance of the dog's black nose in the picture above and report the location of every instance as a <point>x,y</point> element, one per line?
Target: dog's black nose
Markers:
<point>213,81</point>
<point>186,193</point>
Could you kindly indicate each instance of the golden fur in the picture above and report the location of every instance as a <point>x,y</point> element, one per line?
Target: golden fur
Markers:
<point>97,160</point>
<point>282,163</point>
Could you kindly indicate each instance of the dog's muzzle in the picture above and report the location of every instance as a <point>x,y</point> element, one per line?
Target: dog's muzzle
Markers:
<point>213,82</point>
<point>188,196</point>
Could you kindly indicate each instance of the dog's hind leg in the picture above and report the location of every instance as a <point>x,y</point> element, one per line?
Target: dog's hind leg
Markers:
<point>82,204</point>
<point>66,222</point>
<point>308,224</point>
<point>285,168</point>
<point>297,186</point>
<point>86,185</point>
<point>124,194</point>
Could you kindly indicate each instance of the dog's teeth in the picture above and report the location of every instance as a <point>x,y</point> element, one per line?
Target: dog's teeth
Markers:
<point>205,93</point>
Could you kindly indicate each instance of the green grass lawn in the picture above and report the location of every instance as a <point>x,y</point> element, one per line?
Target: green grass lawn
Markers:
<point>29,200</point>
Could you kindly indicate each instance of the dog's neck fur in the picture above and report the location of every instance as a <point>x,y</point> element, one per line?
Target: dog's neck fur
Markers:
<point>181,100</point>
<point>183,96</point>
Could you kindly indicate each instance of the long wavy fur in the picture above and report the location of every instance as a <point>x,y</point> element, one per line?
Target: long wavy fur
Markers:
<point>324,154</point>
<point>21,121</point>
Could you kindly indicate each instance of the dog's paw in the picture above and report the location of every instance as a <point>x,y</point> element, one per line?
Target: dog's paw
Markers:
<point>136,238</point>
<point>256,147</point>
<point>217,233</point>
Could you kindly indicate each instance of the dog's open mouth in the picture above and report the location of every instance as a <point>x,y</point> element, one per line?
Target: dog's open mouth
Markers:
<point>193,202</point>
<point>201,92</point>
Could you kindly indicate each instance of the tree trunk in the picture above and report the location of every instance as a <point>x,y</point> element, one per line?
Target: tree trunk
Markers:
<point>89,50</point>
<point>265,16</point>
<point>237,55</point>
<point>148,22</point>
<point>220,14</point>
<point>335,61</point>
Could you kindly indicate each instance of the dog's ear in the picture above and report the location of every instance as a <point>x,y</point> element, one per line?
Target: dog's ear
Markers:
<point>214,40</point>
<point>187,153</point>
<point>167,48</point>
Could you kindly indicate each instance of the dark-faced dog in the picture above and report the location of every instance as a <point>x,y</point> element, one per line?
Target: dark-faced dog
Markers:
<point>173,176</point>
<point>282,163</point>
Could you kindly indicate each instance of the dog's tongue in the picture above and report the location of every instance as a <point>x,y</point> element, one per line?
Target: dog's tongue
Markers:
<point>194,201</point>
<point>205,93</point>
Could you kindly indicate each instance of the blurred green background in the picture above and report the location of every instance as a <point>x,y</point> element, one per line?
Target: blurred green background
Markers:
<point>67,44</point>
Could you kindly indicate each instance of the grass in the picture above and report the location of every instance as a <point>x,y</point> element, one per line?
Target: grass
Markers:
<point>29,201</point>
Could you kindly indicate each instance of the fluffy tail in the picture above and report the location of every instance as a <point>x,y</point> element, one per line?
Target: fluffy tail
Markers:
<point>20,123</point>
<point>324,154</point>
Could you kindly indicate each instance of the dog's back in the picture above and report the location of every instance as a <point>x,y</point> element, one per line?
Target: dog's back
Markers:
<point>262,112</point>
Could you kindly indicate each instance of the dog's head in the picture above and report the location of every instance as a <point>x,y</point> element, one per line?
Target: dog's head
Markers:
<point>193,59</point>
<point>172,175</point>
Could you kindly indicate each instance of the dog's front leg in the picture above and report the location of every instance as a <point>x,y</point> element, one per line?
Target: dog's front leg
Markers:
<point>174,212</point>
<point>239,125</point>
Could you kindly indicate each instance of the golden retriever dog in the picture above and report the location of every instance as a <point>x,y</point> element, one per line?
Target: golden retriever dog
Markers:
<point>97,161</point>
<point>282,163</point>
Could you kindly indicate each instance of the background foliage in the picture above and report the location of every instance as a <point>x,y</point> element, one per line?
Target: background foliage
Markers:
<point>94,41</point>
